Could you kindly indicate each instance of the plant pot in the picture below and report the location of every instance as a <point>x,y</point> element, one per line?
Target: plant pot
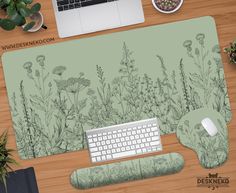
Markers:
<point>167,12</point>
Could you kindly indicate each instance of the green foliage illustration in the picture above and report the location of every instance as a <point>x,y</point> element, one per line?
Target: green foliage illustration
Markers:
<point>127,171</point>
<point>52,117</point>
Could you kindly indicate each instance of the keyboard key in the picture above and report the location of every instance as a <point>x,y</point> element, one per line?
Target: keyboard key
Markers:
<point>155,143</point>
<point>94,149</point>
<point>96,154</point>
<point>63,2</point>
<point>127,148</point>
<point>123,154</point>
<point>155,138</point>
<point>60,8</point>
<point>154,129</point>
<point>139,151</point>
<point>92,144</point>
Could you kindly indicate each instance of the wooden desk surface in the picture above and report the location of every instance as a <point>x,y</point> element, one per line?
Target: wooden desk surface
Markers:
<point>53,172</point>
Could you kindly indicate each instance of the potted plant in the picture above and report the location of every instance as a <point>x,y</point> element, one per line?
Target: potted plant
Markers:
<point>5,159</point>
<point>18,13</point>
<point>231,51</point>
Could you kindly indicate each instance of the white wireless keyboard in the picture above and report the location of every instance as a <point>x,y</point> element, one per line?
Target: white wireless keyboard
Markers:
<point>124,140</point>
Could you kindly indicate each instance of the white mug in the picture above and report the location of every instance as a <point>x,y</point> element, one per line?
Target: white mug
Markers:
<point>38,18</point>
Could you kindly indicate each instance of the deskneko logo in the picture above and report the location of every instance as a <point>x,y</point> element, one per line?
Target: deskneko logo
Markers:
<point>213,181</point>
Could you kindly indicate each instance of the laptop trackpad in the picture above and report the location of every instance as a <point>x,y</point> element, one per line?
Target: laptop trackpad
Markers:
<point>99,16</point>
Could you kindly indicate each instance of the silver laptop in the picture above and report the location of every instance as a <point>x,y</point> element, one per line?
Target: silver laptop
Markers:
<point>76,17</point>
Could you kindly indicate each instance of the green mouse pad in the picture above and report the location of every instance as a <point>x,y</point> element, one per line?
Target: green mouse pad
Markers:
<point>212,151</point>
<point>125,171</point>
<point>59,91</point>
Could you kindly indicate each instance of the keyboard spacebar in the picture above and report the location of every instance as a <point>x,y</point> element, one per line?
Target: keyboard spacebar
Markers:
<point>124,154</point>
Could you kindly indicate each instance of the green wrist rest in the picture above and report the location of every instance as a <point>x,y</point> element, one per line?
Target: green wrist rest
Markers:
<point>127,171</point>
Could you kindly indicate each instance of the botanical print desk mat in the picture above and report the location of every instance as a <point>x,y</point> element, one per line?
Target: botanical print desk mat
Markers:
<point>59,91</point>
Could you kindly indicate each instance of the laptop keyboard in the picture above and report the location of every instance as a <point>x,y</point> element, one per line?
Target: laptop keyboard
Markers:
<point>64,5</point>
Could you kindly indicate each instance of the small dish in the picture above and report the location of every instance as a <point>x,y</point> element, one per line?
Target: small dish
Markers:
<point>167,10</point>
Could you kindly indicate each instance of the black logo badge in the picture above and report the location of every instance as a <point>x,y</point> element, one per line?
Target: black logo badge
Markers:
<point>213,181</point>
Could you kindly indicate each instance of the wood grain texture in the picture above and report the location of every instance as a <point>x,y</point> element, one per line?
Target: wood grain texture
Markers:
<point>53,172</point>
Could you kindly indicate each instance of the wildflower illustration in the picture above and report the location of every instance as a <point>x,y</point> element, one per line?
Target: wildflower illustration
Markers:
<point>56,111</point>
<point>209,79</point>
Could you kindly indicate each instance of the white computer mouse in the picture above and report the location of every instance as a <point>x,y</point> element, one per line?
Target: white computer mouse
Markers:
<point>209,126</point>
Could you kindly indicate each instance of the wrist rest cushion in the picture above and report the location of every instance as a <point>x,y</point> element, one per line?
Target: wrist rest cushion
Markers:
<point>127,171</point>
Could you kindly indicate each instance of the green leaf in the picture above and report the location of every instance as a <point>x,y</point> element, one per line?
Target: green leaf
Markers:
<point>7,1</point>
<point>25,12</point>
<point>28,1</point>
<point>36,8</point>
<point>29,26</point>
<point>11,10</point>
<point>21,4</point>
<point>18,19</point>
<point>7,24</point>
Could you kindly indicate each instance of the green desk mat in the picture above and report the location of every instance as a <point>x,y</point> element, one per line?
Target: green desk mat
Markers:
<point>57,92</point>
<point>125,171</point>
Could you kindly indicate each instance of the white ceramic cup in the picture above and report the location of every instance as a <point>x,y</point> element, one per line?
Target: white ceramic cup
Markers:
<point>172,11</point>
<point>38,18</point>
